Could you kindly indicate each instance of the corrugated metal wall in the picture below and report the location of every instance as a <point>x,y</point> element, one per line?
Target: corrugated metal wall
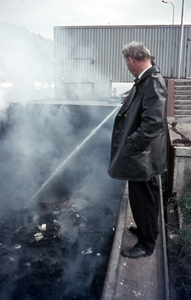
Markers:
<point>93,53</point>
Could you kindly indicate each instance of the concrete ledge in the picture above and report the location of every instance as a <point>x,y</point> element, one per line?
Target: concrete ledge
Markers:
<point>182,151</point>
<point>111,280</point>
<point>143,278</point>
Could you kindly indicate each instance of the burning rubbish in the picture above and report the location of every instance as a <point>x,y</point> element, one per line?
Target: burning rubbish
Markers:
<point>40,268</point>
<point>78,209</point>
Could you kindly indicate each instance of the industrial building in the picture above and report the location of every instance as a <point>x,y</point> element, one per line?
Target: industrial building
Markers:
<point>88,58</point>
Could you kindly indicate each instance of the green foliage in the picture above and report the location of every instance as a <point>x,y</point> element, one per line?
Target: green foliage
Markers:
<point>184,202</point>
<point>180,249</point>
<point>185,287</point>
<point>180,246</point>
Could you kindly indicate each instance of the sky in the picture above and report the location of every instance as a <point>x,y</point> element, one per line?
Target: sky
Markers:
<point>40,16</point>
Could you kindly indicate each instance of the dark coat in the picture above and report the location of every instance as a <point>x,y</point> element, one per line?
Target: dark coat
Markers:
<point>138,149</point>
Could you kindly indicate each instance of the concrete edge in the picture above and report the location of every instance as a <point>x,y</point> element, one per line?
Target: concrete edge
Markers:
<point>165,261</point>
<point>112,271</point>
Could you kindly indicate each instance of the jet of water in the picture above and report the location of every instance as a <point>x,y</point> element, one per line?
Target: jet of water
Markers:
<point>78,147</point>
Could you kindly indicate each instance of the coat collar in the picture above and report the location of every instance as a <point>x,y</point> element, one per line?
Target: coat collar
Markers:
<point>130,98</point>
<point>151,70</point>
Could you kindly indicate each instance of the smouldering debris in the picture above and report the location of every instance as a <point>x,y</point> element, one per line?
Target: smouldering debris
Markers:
<point>17,246</point>
<point>28,264</point>
<point>137,294</point>
<point>53,237</point>
<point>42,227</point>
<point>56,222</point>
<point>38,236</point>
<point>11,258</point>
<point>89,251</point>
<point>20,229</point>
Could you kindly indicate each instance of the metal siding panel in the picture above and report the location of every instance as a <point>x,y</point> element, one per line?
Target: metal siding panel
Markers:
<point>184,54</point>
<point>167,50</point>
<point>170,51</point>
<point>104,45</point>
<point>189,55</point>
<point>176,49</point>
<point>187,61</point>
<point>188,69</point>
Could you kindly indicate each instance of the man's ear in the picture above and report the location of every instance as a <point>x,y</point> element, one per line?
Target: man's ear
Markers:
<point>131,60</point>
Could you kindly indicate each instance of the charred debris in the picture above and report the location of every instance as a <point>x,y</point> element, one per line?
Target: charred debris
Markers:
<point>57,251</point>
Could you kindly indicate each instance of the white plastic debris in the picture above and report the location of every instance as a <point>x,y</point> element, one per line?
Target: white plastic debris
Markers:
<point>17,246</point>
<point>42,227</point>
<point>11,258</point>
<point>78,216</point>
<point>98,254</point>
<point>56,212</point>
<point>173,236</point>
<point>28,264</point>
<point>171,211</point>
<point>113,229</point>
<point>89,251</point>
<point>56,222</point>
<point>137,294</point>
<point>38,236</point>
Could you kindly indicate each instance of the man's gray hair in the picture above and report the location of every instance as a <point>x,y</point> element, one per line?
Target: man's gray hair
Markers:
<point>135,50</point>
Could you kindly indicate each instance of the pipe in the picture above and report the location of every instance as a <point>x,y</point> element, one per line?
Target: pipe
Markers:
<point>181,40</point>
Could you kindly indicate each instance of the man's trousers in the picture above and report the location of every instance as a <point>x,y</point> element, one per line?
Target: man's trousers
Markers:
<point>144,199</point>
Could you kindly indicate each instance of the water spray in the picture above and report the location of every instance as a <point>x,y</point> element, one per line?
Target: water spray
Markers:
<point>78,147</point>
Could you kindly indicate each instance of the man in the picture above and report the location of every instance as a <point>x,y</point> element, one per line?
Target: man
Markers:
<point>138,150</point>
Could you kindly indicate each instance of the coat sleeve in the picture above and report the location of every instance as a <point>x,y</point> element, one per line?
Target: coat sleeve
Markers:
<point>153,116</point>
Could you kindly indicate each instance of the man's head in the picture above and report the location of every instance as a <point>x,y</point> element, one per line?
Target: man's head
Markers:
<point>137,58</point>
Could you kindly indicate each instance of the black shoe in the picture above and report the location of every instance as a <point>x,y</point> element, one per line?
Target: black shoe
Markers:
<point>133,229</point>
<point>134,252</point>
